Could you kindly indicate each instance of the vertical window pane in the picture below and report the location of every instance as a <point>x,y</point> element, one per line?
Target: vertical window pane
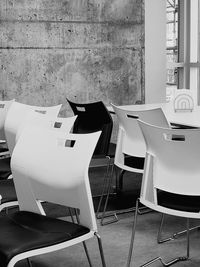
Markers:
<point>172,9</point>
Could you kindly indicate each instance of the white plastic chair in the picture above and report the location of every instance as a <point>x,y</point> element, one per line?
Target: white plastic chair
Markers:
<point>49,121</point>
<point>33,119</point>
<point>130,139</point>
<point>4,152</point>
<point>52,175</point>
<point>16,116</point>
<point>4,107</point>
<point>131,148</point>
<point>170,182</point>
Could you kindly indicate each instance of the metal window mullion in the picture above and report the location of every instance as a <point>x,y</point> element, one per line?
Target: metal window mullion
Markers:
<point>181,44</point>
<point>187,17</point>
<point>198,58</point>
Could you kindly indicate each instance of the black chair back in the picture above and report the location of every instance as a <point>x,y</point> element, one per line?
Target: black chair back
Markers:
<point>92,117</point>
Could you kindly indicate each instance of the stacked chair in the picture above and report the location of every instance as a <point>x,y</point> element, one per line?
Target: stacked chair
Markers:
<point>44,167</point>
<point>18,115</point>
<point>7,189</point>
<point>4,152</point>
<point>131,149</point>
<point>170,182</point>
<point>4,107</point>
<point>93,117</point>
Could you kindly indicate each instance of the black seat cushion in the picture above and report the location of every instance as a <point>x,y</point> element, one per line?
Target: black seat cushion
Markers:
<point>178,202</point>
<point>7,191</point>
<point>24,231</point>
<point>5,170</point>
<point>134,162</point>
<point>3,149</point>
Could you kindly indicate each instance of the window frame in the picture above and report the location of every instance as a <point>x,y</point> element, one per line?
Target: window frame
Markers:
<point>188,64</point>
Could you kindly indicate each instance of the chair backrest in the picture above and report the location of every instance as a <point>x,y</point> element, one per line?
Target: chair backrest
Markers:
<point>4,107</point>
<point>18,113</point>
<point>130,138</point>
<point>172,164</point>
<point>51,122</point>
<point>93,117</point>
<point>45,168</point>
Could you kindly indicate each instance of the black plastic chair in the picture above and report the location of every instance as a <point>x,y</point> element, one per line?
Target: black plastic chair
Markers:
<point>92,117</point>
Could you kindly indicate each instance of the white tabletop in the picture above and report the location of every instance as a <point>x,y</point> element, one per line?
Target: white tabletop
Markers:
<point>184,117</point>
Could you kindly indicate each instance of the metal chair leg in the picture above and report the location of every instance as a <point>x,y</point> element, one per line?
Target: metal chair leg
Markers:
<point>157,258</point>
<point>141,210</point>
<point>87,253</point>
<point>29,262</point>
<point>121,176</point>
<point>161,240</point>
<point>101,249</point>
<point>71,215</point>
<point>188,238</point>
<point>84,243</point>
<point>105,185</point>
<point>104,213</point>
<point>133,235</point>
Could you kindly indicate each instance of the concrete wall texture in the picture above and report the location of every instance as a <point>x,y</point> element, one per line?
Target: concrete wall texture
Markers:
<point>85,50</point>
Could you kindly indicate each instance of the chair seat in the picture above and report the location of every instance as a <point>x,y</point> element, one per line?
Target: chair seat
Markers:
<point>24,231</point>
<point>5,170</point>
<point>178,202</point>
<point>7,191</point>
<point>134,162</point>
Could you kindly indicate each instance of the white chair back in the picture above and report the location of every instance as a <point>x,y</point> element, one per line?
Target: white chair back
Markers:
<point>130,139</point>
<point>16,116</point>
<point>4,107</point>
<point>38,119</point>
<point>45,168</point>
<point>172,162</point>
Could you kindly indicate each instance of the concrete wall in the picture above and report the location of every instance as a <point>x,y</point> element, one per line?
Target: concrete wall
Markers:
<point>86,50</point>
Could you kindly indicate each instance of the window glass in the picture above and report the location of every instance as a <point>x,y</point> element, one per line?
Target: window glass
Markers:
<point>172,13</point>
<point>182,46</point>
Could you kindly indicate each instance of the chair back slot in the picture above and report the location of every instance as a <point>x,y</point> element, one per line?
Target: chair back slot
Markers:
<point>132,116</point>
<point>57,124</point>
<point>41,111</point>
<point>70,143</point>
<point>80,109</point>
<point>174,137</point>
